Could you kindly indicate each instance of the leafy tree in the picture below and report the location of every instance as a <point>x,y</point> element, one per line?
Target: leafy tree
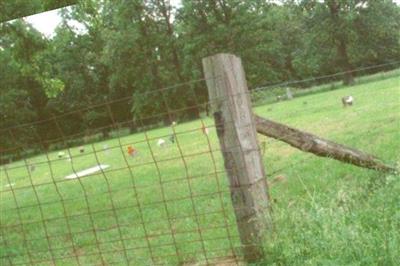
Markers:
<point>23,97</point>
<point>21,8</point>
<point>114,67</point>
<point>341,32</point>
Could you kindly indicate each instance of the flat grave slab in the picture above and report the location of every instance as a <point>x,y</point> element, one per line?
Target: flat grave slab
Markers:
<point>88,171</point>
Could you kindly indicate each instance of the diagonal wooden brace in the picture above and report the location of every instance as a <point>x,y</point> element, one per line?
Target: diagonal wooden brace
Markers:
<point>308,142</point>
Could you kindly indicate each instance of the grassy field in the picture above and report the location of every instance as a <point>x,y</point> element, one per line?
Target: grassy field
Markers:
<point>171,205</point>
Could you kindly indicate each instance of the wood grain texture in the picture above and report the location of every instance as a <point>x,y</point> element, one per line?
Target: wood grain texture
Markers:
<point>308,142</point>
<point>231,107</point>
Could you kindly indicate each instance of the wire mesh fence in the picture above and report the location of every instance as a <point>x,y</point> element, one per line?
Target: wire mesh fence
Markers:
<point>319,201</point>
<point>153,190</point>
<point>155,197</point>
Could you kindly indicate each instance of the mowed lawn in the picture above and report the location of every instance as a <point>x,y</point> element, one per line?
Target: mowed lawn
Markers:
<point>171,205</point>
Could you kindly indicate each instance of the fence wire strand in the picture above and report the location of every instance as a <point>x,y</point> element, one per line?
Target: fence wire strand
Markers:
<point>166,203</point>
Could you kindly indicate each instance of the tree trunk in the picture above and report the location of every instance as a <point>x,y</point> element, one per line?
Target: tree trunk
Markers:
<point>348,78</point>
<point>170,33</point>
<point>106,133</point>
<point>340,42</point>
<point>132,127</point>
<point>289,66</point>
<point>146,48</point>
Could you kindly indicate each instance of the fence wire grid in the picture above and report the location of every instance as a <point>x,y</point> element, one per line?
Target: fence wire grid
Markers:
<point>158,196</point>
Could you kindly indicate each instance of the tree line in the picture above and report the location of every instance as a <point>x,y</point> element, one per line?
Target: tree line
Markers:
<point>131,49</point>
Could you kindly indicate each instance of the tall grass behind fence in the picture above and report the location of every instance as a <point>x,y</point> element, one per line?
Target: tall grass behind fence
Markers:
<point>327,212</point>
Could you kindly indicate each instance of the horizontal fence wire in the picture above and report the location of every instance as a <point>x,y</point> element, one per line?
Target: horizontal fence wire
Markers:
<point>119,100</point>
<point>159,198</point>
<point>323,77</point>
<point>164,198</point>
<point>273,92</point>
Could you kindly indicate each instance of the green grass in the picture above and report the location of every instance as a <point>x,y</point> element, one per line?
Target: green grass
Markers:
<point>269,94</point>
<point>325,213</point>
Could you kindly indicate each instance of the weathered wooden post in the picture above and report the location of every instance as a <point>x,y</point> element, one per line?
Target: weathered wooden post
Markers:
<point>231,106</point>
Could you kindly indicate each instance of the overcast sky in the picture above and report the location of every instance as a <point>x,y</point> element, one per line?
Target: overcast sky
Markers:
<point>46,22</point>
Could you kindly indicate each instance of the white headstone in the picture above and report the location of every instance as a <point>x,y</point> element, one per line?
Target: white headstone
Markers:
<point>106,149</point>
<point>161,142</point>
<point>289,93</point>
<point>350,99</point>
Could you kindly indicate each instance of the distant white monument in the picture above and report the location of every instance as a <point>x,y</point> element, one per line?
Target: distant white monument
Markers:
<point>289,94</point>
<point>161,142</point>
<point>106,149</point>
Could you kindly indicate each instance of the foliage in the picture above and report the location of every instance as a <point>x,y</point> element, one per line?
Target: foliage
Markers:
<point>347,34</point>
<point>132,49</point>
<point>21,8</point>
<point>23,99</point>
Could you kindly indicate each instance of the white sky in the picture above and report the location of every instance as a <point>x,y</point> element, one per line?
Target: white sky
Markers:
<point>46,22</point>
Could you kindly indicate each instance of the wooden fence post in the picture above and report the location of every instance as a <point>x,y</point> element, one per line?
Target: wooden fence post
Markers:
<point>231,106</point>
